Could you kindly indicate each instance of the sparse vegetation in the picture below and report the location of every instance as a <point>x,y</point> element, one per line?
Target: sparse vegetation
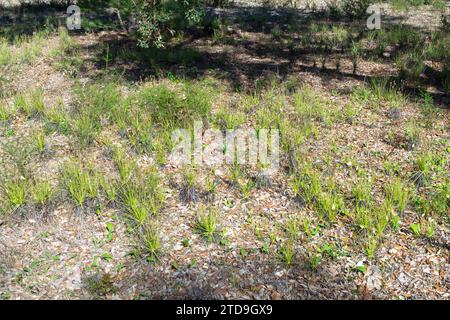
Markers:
<point>91,199</point>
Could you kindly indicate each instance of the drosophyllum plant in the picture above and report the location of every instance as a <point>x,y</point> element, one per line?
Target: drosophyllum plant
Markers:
<point>150,243</point>
<point>188,192</point>
<point>207,224</point>
<point>42,192</point>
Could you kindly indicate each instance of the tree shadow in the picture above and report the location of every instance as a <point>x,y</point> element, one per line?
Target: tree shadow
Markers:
<point>258,42</point>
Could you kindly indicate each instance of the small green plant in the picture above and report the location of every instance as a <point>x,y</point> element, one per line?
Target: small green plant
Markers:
<point>423,168</point>
<point>211,185</point>
<point>247,188</point>
<point>308,228</point>
<point>41,192</point>
<point>307,185</point>
<point>350,112</point>
<point>207,224</point>
<point>362,217</point>
<point>235,174</point>
<point>371,246</point>
<point>125,165</point>
<point>328,249</point>
<point>276,32</point>
<point>80,183</point>
<point>151,243</point>
<point>416,228</point>
<point>330,204</point>
<point>186,242</point>
<point>287,253</point>
<point>382,216</point>
<point>431,228</point>
<point>314,259</point>
<point>188,192</point>
<point>265,248</point>
<point>135,204</point>
<point>5,112</point>
<point>40,141</point>
<point>292,229</point>
<point>411,64</point>
<point>361,193</point>
<point>440,198</point>
<point>15,192</point>
<point>85,128</point>
<point>395,222</point>
<point>229,120</point>
<point>110,230</point>
<point>33,106</point>
<point>109,186</point>
<point>56,120</point>
<point>412,135</point>
<point>398,193</point>
<point>224,241</point>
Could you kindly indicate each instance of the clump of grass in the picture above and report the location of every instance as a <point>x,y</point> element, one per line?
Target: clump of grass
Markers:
<point>40,141</point>
<point>56,120</point>
<point>109,187</point>
<point>313,260</point>
<point>307,184</point>
<point>142,196</point>
<point>382,217</point>
<point>330,204</point>
<point>411,64</point>
<point>125,165</point>
<point>286,252</point>
<point>207,224</point>
<point>246,189</point>
<point>440,198</point>
<point>211,186</point>
<point>424,163</point>
<point>188,191</point>
<point>30,48</point>
<point>176,106</point>
<point>229,120</point>
<point>371,246</point>
<point>361,193</point>
<point>412,135</point>
<point>135,204</point>
<point>5,112</point>
<point>308,228</point>
<point>66,43</point>
<point>292,229</point>
<point>151,242</point>
<point>41,192</point>
<point>356,53</point>
<point>309,105</point>
<point>80,183</point>
<point>5,52</point>
<point>398,193</point>
<point>85,128</point>
<point>95,104</point>
<point>31,106</point>
<point>350,112</point>
<point>383,90</point>
<point>15,192</point>
<point>362,217</point>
